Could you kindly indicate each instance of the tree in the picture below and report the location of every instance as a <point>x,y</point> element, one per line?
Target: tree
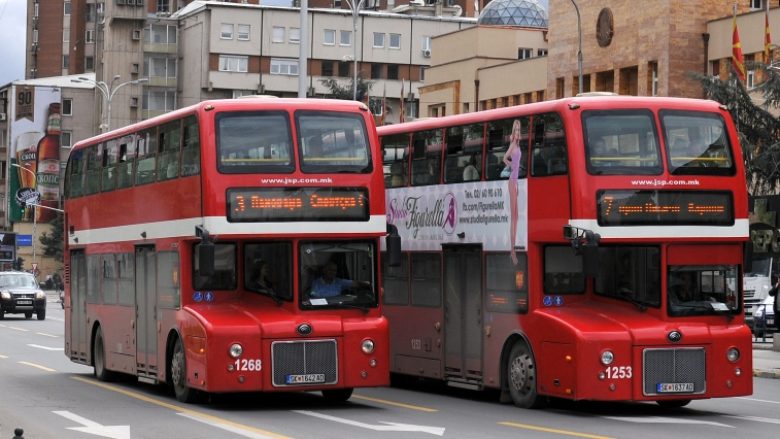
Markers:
<point>53,244</point>
<point>758,128</point>
<point>345,91</point>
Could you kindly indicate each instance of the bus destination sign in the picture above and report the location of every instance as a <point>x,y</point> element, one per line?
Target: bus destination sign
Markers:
<point>651,207</point>
<point>297,204</point>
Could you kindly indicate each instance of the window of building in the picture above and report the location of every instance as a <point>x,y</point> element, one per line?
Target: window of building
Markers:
<point>90,36</point>
<point>243,32</point>
<point>160,34</point>
<point>422,73</point>
<point>159,99</point>
<point>226,31</point>
<point>295,35</point>
<point>89,63</point>
<point>714,68</point>
<point>392,71</point>
<point>345,38</point>
<point>376,70</point>
<point>653,68</point>
<point>66,35</point>
<point>327,68</point>
<point>66,8</point>
<point>35,35</point>
<point>750,80</point>
<point>395,41</point>
<point>284,67</point>
<point>90,15</point>
<point>329,37</point>
<point>524,53</point>
<point>277,35</point>
<point>65,61</point>
<point>344,68</point>
<point>233,63</point>
<point>163,6</point>
<point>379,39</point>
<point>756,4</point>
<point>65,139</point>
<point>541,52</point>
<point>162,66</point>
<point>67,107</point>
<point>239,93</point>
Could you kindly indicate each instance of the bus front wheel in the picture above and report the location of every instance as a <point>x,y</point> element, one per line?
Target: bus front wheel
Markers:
<point>337,395</point>
<point>178,376</point>
<point>521,377</point>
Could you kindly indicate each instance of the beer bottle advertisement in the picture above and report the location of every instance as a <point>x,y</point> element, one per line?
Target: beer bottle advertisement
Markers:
<point>48,165</point>
<point>27,158</point>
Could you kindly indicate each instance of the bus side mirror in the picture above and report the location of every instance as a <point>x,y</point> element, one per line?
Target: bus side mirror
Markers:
<point>748,264</point>
<point>393,245</point>
<point>206,258</point>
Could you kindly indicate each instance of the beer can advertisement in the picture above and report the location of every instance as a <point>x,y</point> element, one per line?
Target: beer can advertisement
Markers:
<point>35,148</point>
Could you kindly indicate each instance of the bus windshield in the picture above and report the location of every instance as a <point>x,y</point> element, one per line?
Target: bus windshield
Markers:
<point>250,142</point>
<point>697,143</point>
<point>702,290</point>
<point>332,142</point>
<point>621,142</point>
<point>338,274</point>
<point>630,273</point>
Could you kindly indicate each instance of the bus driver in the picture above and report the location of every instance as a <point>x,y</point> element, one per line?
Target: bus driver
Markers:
<point>328,285</point>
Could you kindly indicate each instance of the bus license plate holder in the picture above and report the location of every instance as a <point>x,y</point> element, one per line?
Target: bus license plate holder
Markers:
<point>309,378</point>
<point>674,387</point>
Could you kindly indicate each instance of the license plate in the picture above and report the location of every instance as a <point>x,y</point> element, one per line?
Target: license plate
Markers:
<point>674,387</point>
<point>24,302</point>
<point>309,378</point>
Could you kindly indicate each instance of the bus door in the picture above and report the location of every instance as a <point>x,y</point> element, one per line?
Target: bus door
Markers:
<point>463,312</point>
<point>145,310</point>
<point>78,306</point>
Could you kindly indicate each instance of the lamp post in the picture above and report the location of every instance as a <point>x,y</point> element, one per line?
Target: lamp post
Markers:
<point>35,219</point>
<point>579,47</point>
<point>108,90</point>
<point>355,15</point>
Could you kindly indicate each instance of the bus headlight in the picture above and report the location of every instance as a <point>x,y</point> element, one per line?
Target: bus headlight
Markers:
<point>732,354</point>
<point>367,346</point>
<point>607,357</point>
<point>236,350</point>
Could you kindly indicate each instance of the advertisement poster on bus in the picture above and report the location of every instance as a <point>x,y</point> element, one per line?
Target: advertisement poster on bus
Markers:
<point>35,129</point>
<point>428,216</point>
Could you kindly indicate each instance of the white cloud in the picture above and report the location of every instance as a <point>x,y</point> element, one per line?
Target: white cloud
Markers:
<point>13,25</point>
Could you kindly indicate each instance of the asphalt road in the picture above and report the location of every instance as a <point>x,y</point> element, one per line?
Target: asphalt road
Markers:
<point>44,393</point>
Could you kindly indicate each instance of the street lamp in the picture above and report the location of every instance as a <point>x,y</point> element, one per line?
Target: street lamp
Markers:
<point>108,90</point>
<point>355,13</point>
<point>579,48</point>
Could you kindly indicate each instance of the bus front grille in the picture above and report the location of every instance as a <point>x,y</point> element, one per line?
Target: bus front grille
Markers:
<point>680,371</point>
<point>300,363</point>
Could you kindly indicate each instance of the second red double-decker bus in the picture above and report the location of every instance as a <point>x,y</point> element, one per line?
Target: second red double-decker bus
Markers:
<point>230,246</point>
<point>596,253</point>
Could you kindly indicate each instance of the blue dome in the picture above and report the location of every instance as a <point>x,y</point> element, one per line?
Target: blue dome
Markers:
<point>525,13</point>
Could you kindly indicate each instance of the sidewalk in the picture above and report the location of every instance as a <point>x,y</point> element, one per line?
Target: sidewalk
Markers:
<point>766,360</point>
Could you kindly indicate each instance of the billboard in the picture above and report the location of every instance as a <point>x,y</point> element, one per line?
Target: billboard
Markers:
<point>7,247</point>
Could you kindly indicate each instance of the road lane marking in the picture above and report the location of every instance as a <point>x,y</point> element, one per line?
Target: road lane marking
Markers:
<point>553,430</point>
<point>91,427</point>
<point>756,419</point>
<point>386,426</point>
<point>395,404</point>
<point>16,328</point>
<point>665,420</point>
<point>3,356</point>
<point>178,408</point>
<point>36,366</point>
<point>758,400</point>
<point>47,348</point>
<point>48,335</point>
<point>230,428</point>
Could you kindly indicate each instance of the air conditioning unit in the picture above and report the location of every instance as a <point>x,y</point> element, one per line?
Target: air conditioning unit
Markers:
<point>136,34</point>
<point>2,116</point>
<point>121,2</point>
<point>426,53</point>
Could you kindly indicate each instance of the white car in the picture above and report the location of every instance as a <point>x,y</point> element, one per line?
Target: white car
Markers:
<point>764,317</point>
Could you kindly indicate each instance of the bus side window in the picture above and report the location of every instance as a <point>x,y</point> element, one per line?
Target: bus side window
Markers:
<point>110,160</point>
<point>92,176</point>
<point>190,157</point>
<point>548,152</point>
<point>563,270</point>
<point>395,151</point>
<point>463,160</point>
<point>498,133</point>
<point>426,157</point>
<point>74,183</point>
<point>146,169</point>
<point>124,168</point>
<point>169,141</point>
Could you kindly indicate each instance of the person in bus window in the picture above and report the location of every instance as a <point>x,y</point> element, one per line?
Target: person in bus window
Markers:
<point>329,285</point>
<point>470,172</point>
<point>684,290</point>
<point>512,160</point>
<point>261,281</point>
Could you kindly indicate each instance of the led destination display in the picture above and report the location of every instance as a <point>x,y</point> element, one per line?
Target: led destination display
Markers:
<point>649,207</point>
<point>297,204</point>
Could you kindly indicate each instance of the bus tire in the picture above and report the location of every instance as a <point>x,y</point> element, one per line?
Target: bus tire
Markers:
<point>178,376</point>
<point>521,377</point>
<point>99,358</point>
<point>673,403</point>
<point>337,395</point>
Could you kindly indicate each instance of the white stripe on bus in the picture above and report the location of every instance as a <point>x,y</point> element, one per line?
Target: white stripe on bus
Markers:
<point>740,229</point>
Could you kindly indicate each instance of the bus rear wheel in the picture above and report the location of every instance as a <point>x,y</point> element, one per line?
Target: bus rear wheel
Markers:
<point>178,376</point>
<point>521,377</point>
<point>337,395</point>
<point>99,359</point>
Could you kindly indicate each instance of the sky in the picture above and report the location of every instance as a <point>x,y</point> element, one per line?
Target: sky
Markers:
<point>12,32</point>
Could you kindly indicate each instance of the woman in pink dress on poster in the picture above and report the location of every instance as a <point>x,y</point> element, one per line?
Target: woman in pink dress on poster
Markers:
<point>512,160</point>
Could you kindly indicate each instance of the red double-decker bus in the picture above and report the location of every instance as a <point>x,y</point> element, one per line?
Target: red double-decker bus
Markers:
<point>230,246</point>
<point>609,268</point>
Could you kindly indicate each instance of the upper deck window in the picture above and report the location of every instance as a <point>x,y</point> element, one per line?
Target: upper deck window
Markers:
<point>697,143</point>
<point>621,142</point>
<point>332,142</point>
<point>250,142</point>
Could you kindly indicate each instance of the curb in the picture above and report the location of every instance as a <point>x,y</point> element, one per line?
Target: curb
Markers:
<point>766,374</point>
